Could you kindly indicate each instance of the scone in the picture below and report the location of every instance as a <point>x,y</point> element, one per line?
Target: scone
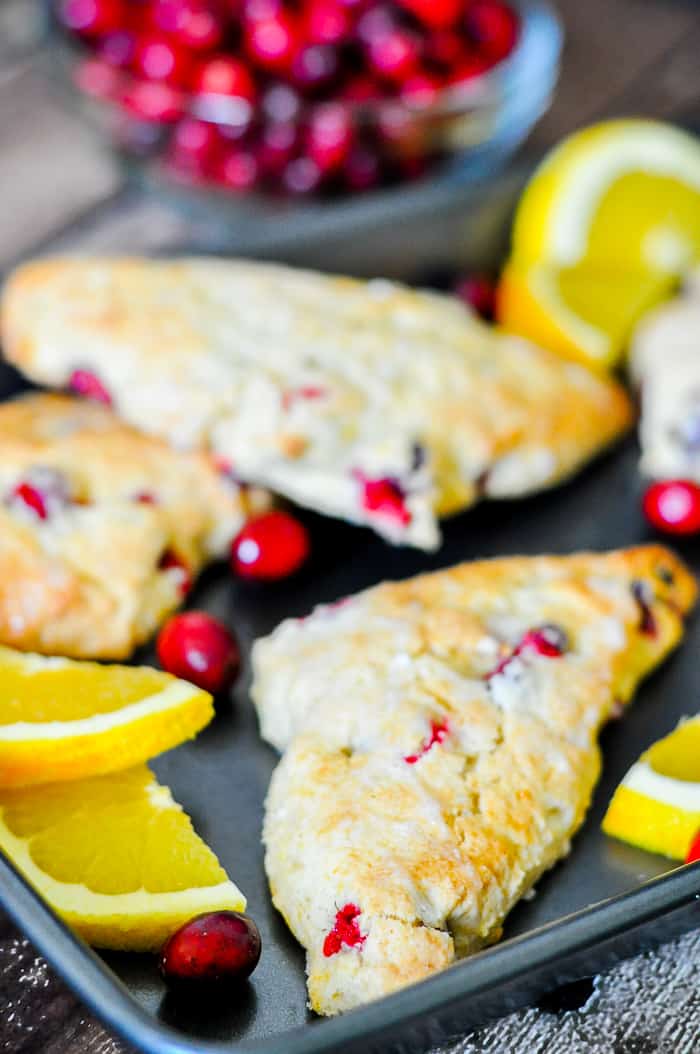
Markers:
<point>365,400</point>
<point>665,364</point>
<point>101,529</point>
<point>439,740</point>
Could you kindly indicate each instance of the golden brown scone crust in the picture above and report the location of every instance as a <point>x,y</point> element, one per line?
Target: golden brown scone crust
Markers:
<point>87,580</point>
<point>424,788</point>
<point>313,385</point>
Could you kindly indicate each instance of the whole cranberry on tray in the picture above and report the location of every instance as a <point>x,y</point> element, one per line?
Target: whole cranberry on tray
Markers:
<point>298,96</point>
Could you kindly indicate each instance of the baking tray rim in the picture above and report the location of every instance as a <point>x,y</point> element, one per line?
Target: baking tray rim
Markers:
<point>97,985</point>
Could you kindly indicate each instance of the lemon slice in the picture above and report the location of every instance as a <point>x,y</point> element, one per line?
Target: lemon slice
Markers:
<point>582,312</point>
<point>115,856</point>
<point>657,805</point>
<point>63,720</point>
<point>621,193</point>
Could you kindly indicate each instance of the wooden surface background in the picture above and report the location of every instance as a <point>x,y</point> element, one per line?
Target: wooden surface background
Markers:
<point>622,57</point>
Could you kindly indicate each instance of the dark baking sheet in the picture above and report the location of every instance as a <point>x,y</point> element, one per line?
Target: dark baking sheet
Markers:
<point>605,901</point>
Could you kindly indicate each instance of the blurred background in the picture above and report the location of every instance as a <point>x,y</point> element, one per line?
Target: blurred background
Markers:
<point>155,123</point>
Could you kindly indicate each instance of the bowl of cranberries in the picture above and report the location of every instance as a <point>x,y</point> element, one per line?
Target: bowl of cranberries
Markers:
<point>310,98</point>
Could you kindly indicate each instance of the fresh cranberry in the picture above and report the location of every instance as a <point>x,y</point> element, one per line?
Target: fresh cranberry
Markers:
<point>470,67</point>
<point>437,14</point>
<point>160,59</point>
<point>270,546</point>
<point>385,497</point>
<point>330,136</point>
<point>276,147</point>
<point>200,649</point>
<point>92,17</point>
<point>195,142</point>
<point>445,48</point>
<point>273,42</point>
<point>346,931</point>
<point>439,731</point>
<point>395,55</point>
<point>239,170</point>
<point>493,26</point>
<point>260,10</point>
<point>420,89</point>
<point>200,29</point>
<point>694,851</point>
<point>377,21</point>
<point>167,15</point>
<point>153,101</point>
<point>478,291</point>
<point>362,169</point>
<point>673,506</point>
<point>644,599</point>
<point>216,949</point>
<point>549,641</point>
<point>315,67</point>
<point>225,75</point>
<point>170,561</point>
<point>302,176</point>
<point>118,48</point>
<point>88,384</point>
<point>326,22</point>
<point>361,88</point>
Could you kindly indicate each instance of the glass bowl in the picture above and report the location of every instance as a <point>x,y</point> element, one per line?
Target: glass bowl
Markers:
<point>461,135</point>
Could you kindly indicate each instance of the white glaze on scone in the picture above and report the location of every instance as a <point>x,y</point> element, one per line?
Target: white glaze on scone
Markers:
<point>420,786</point>
<point>665,365</point>
<point>314,385</point>
<point>91,578</point>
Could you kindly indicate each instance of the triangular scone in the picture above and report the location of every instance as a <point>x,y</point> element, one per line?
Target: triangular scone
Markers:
<point>665,364</point>
<point>102,529</point>
<point>365,400</point>
<point>440,750</point>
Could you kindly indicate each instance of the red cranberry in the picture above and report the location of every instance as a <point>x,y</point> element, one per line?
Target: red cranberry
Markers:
<point>362,169</point>
<point>385,497</point>
<point>200,29</point>
<point>170,561</point>
<point>326,22</point>
<point>260,10</point>
<point>167,14</point>
<point>270,546</point>
<point>549,641</point>
<point>478,291</point>
<point>280,103</point>
<point>276,147</point>
<point>694,851</point>
<point>395,55</point>
<point>32,498</point>
<point>118,48</point>
<point>439,732</point>
<point>493,26</point>
<point>346,931</point>
<point>471,67</point>
<point>361,88</point>
<point>239,170</point>
<point>153,101</point>
<point>436,14</point>
<point>315,67</point>
<point>200,649</point>
<point>330,136</point>
<point>377,21</point>
<point>445,48</point>
<point>272,42</point>
<point>225,75</point>
<point>420,89</point>
<point>159,59</point>
<point>88,384</point>
<point>92,17</point>
<point>97,78</point>
<point>43,491</point>
<point>302,176</point>
<point>217,949</point>
<point>673,506</point>
<point>195,142</point>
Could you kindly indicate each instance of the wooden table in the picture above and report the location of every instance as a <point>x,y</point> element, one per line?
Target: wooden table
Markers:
<point>623,57</point>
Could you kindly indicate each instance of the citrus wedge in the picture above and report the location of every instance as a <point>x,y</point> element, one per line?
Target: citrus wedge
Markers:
<point>63,720</point>
<point>582,312</point>
<point>657,805</point>
<point>622,194</point>
<point>115,856</point>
